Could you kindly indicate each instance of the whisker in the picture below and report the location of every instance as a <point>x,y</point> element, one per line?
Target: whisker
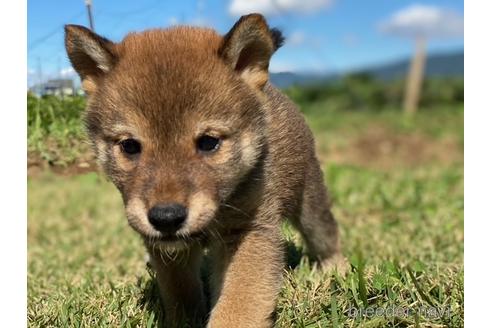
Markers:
<point>236,209</point>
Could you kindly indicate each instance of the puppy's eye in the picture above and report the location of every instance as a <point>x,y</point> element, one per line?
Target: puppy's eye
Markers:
<point>130,146</point>
<point>207,143</point>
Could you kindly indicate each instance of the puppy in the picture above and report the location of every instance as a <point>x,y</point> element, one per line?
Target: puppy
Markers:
<point>208,156</point>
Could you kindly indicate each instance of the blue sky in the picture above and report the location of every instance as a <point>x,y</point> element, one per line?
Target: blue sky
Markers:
<point>322,35</point>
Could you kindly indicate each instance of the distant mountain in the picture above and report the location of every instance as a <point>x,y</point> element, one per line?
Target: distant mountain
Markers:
<point>284,80</point>
<point>450,64</point>
<point>447,64</point>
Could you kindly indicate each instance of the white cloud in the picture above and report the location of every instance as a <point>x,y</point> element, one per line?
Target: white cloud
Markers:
<point>300,38</point>
<point>426,21</point>
<point>276,7</point>
<point>296,38</point>
<point>67,72</point>
<point>173,21</point>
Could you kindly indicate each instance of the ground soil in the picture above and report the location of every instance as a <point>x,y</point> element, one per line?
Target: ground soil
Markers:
<point>378,148</point>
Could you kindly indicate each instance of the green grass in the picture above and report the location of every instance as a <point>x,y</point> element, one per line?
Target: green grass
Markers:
<point>55,131</point>
<point>401,225</point>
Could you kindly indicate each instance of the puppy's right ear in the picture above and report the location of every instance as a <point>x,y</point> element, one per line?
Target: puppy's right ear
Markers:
<point>91,55</point>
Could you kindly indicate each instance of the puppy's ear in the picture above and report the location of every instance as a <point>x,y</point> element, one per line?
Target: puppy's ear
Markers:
<point>248,46</point>
<point>91,55</point>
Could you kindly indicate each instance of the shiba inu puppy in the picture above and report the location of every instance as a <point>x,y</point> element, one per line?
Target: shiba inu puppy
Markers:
<point>207,156</point>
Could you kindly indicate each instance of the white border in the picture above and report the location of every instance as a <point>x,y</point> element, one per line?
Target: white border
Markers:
<point>13,134</point>
<point>478,162</point>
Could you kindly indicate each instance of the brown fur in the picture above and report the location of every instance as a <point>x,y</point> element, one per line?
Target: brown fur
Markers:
<point>167,87</point>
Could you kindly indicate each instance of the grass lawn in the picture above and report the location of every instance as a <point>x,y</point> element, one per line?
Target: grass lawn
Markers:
<point>398,191</point>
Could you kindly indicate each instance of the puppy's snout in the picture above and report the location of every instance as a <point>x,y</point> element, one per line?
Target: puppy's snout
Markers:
<point>167,217</point>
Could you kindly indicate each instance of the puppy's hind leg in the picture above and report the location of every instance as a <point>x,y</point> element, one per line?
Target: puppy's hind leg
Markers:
<point>317,224</point>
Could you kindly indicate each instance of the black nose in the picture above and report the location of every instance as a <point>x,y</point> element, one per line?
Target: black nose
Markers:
<point>167,217</point>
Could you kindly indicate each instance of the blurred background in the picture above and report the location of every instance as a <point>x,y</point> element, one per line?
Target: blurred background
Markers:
<point>352,55</point>
<point>381,85</point>
<point>325,38</point>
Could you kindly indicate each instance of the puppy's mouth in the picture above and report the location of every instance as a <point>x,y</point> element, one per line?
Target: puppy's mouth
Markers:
<point>164,239</point>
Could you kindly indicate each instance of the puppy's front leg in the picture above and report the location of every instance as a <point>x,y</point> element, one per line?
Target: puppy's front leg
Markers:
<point>246,279</point>
<point>180,286</point>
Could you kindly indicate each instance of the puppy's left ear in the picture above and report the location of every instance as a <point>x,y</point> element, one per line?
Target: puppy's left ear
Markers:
<point>248,47</point>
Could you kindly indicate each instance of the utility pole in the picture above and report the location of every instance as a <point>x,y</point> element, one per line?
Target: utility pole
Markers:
<point>88,4</point>
<point>58,68</point>
<point>415,78</point>
<point>60,77</point>
<point>40,77</point>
